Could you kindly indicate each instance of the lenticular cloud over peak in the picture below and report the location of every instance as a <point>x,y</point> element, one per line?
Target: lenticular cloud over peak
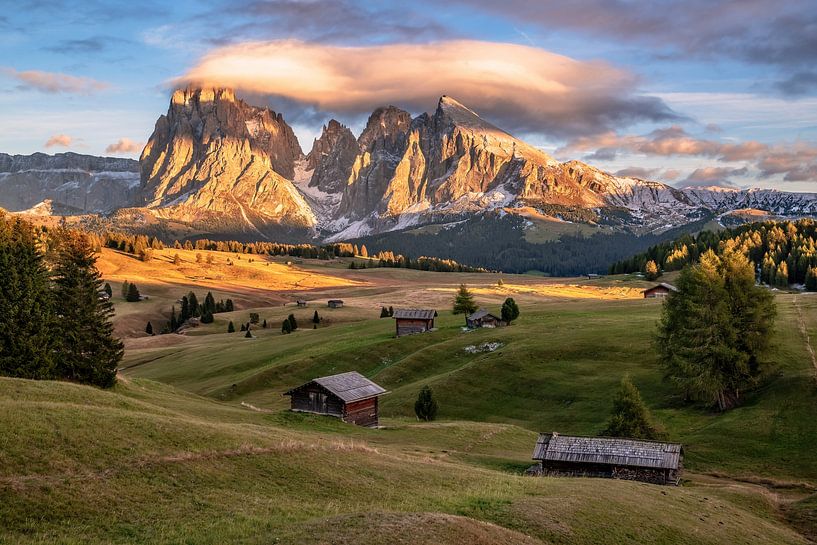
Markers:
<point>518,87</point>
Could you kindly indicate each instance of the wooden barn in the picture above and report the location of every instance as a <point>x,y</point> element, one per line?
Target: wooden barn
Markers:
<point>335,303</point>
<point>660,290</point>
<point>349,396</point>
<point>482,318</point>
<point>300,303</point>
<point>611,457</point>
<point>411,320</point>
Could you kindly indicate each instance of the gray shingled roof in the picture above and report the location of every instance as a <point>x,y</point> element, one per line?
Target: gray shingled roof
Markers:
<point>414,313</point>
<point>351,386</point>
<point>481,313</point>
<point>663,285</point>
<point>607,450</point>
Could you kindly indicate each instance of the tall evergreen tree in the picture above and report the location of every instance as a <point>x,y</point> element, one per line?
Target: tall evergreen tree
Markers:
<point>108,290</point>
<point>27,322</point>
<point>384,312</point>
<point>292,322</point>
<point>149,329</point>
<point>184,315</point>
<point>89,353</point>
<point>510,310</point>
<point>426,406</point>
<point>286,327</point>
<point>228,305</point>
<point>125,288</point>
<point>316,319</point>
<point>195,309</point>
<point>210,303</point>
<point>630,417</point>
<point>174,324</point>
<point>464,301</point>
<point>811,279</point>
<point>714,329</point>
<point>231,327</point>
<point>133,295</point>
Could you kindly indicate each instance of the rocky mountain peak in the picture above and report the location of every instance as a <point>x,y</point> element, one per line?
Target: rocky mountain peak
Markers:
<point>331,157</point>
<point>387,124</point>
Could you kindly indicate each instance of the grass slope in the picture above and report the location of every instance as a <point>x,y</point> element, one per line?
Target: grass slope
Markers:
<point>146,463</point>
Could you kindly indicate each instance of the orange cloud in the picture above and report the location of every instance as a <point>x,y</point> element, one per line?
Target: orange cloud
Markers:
<point>61,140</point>
<point>55,82</point>
<point>124,145</point>
<point>520,87</point>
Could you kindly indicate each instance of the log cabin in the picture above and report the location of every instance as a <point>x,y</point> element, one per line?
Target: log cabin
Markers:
<point>482,318</point>
<point>610,457</point>
<point>335,303</point>
<point>349,396</point>
<point>410,321</point>
<point>659,290</point>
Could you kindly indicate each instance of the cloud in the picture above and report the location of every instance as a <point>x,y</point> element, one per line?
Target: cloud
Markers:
<point>648,173</point>
<point>84,46</point>
<point>669,141</point>
<point>60,140</point>
<point>800,83</point>
<point>55,82</point>
<point>124,145</point>
<point>797,163</point>
<point>521,88</point>
<point>717,176</point>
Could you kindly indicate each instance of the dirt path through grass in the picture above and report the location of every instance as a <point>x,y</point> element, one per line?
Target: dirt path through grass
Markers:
<point>804,331</point>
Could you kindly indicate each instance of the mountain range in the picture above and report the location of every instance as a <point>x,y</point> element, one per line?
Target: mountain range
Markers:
<point>224,167</point>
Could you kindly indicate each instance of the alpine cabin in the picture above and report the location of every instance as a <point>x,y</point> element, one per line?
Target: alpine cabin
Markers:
<point>411,321</point>
<point>349,396</point>
<point>335,303</point>
<point>482,318</point>
<point>658,291</point>
<point>611,457</point>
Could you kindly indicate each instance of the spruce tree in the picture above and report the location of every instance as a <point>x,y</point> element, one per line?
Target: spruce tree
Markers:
<point>210,303</point>
<point>125,288</point>
<point>811,279</point>
<point>149,329</point>
<point>292,323</point>
<point>184,315</point>
<point>630,417</point>
<point>243,327</point>
<point>231,327</point>
<point>464,301</point>
<point>286,327</point>
<point>248,334</point>
<point>384,312</point>
<point>28,337</point>
<point>193,302</point>
<point>228,305</point>
<point>89,353</point>
<point>426,406</point>
<point>133,293</point>
<point>510,311</point>
<point>391,311</point>
<point>207,317</point>
<point>714,329</point>
<point>316,319</point>
<point>264,325</point>
<point>108,290</point>
<point>174,324</point>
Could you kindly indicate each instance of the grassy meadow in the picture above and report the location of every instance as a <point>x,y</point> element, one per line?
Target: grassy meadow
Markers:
<point>196,445</point>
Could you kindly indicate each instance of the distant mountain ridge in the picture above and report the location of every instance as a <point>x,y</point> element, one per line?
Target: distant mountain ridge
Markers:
<point>227,168</point>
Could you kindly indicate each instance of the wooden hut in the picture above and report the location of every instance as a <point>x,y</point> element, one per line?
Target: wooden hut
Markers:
<point>612,457</point>
<point>300,303</point>
<point>482,318</point>
<point>335,303</point>
<point>411,320</point>
<point>349,396</point>
<point>659,290</point>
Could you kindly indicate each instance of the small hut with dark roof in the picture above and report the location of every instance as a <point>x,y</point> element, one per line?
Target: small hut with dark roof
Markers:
<point>411,320</point>
<point>482,318</point>
<point>612,457</point>
<point>660,290</point>
<point>349,396</point>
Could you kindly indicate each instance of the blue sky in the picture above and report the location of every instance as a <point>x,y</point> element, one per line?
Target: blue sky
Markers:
<point>691,93</point>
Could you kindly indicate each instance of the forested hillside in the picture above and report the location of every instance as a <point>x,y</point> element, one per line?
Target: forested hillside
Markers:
<point>784,253</point>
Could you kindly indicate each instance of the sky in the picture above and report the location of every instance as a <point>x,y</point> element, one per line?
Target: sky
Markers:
<point>693,93</point>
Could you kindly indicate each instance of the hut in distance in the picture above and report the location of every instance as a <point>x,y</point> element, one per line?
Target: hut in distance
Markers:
<point>349,396</point>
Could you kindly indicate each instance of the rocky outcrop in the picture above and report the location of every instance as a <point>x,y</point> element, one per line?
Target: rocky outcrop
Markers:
<point>69,182</point>
<point>332,157</point>
<point>215,156</point>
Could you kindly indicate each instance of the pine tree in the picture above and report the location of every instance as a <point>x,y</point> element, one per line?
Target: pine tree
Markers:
<point>133,295</point>
<point>292,323</point>
<point>264,325</point>
<point>286,327</point>
<point>384,312</point>
<point>228,305</point>
<point>184,315</point>
<point>811,279</point>
<point>510,311</point>
<point>630,416</point>
<point>149,329</point>
<point>27,319</point>
<point>243,327</point>
<point>714,329</point>
<point>207,317</point>
<point>464,301</point>
<point>391,311</point>
<point>125,288</point>
<point>89,353</point>
<point>315,318</point>
<point>651,270</point>
<point>426,406</point>
<point>173,324</point>
<point>108,290</point>
<point>248,334</point>
<point>231,327</point>
<point>210,303</point>
<point>193,302</point>
<point>254,317</point>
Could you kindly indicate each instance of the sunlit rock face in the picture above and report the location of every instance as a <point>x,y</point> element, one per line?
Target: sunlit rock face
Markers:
<point>332,157</point>
<point>70,182</point>
<point>213,155</point>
